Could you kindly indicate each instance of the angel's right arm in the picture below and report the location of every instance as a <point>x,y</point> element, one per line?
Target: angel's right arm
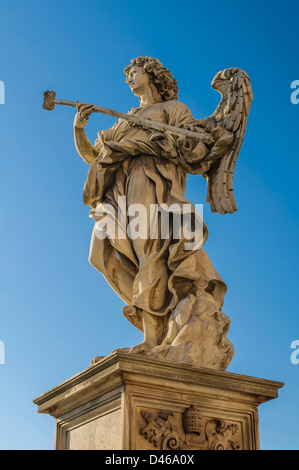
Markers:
<point>84,148</point>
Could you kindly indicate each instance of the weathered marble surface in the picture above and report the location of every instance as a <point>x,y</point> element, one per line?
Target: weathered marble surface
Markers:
<point>173,294</point>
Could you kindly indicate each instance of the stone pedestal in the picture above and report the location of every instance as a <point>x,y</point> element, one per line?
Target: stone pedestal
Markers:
<point>127,402</point>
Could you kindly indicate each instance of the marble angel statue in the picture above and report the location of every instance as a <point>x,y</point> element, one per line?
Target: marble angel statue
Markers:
<point>172,294</point>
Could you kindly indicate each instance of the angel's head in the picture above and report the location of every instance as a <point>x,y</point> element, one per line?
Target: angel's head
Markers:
<point>148,71</point>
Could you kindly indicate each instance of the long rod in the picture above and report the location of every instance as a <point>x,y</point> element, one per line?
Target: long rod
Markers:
<point>142,122</point>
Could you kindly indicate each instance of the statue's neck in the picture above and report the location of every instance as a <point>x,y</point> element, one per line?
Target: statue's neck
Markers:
<point>150,96</point>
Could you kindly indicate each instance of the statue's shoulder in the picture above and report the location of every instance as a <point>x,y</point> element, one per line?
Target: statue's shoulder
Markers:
<point>176,106</point>
<point>176,111</point>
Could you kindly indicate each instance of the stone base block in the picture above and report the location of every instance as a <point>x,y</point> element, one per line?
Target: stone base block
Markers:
<point>128,402</point>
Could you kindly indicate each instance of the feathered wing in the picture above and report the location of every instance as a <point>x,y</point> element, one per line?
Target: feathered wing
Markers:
<point>227,125</point>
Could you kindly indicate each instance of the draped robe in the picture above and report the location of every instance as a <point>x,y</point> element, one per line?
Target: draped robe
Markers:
<point>147,167</point>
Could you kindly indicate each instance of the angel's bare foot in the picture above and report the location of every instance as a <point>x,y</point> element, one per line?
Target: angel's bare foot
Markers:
<point>140,348</point>
<point>99,358</point>
<point>120,350</point>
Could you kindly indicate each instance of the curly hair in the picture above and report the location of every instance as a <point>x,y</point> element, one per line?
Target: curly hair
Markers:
<point>160,75</point>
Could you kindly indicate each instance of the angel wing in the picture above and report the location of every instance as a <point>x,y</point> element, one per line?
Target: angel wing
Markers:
<point>227,125</point>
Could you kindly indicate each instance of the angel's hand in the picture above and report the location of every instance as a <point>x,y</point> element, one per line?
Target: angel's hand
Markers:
<point>84,110</point>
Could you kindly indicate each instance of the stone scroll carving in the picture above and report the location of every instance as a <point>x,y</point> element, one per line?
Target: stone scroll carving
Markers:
<point>189,430</point>
<point>161,431</point>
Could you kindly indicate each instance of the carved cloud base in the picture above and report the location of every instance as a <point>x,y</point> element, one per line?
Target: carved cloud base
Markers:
<point>127,402</point>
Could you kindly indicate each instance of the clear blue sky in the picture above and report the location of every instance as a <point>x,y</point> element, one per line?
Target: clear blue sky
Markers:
<point>57,312</point>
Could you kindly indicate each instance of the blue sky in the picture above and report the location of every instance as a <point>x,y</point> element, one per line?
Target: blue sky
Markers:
<point>57,312</point>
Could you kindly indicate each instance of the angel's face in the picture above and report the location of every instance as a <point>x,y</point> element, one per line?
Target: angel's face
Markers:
<point>138,80</point>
